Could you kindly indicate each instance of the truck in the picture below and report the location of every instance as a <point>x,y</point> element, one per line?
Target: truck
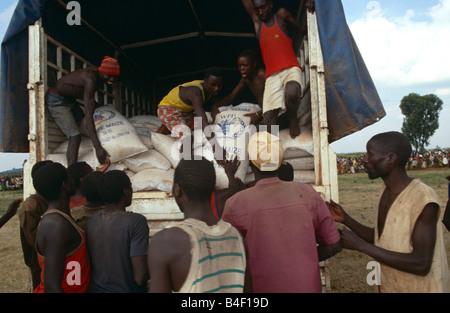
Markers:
<point>160,44</point>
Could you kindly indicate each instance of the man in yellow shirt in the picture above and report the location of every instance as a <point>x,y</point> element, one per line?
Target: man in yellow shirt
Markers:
<point>185,101</point>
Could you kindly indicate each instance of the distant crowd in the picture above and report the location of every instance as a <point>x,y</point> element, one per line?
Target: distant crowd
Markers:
<point>11,183</point>
<point>432,159</point>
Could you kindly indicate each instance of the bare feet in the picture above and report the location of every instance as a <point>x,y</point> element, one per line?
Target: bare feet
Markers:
<point>163,130</point>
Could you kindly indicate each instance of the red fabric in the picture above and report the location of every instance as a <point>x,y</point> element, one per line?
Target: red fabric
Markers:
<point>172,117</point>
<point>109,66</point>
<point>80,255</point>
<point>214,204</point>
<point>276,49</point>
<point>75,202</point>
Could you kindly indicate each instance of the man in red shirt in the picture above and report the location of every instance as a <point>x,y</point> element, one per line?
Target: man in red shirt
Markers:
<point>283,87</point>
<point>286,225</point>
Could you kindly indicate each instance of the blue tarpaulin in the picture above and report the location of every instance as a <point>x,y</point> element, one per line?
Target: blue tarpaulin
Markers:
<point>352,99</point>
<point>164,59</point>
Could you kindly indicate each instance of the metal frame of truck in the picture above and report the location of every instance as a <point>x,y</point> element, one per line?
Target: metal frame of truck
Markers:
<point>158,207</point>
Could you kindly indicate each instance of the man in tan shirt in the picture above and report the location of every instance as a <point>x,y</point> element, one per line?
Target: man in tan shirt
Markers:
<point>407,239</point>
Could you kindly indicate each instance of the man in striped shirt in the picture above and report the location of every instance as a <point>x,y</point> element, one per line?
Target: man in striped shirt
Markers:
<point>201,253</point>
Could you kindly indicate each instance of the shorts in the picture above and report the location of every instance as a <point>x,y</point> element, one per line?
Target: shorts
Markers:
<point>274,94</point>
<point>67,114</point>
<point>172,117</point>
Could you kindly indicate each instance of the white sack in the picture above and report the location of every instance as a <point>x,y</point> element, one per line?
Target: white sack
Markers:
<point>302,163</point>
<point>116,134</point>
<point>300,146</point>
<point>306,177</point>
<point>85,146</point>
<point>168,147</point>
<point>146,160</point>
<point>153,179</point>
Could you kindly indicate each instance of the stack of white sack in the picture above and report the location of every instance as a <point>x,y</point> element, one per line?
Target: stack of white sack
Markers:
<point>150,158</point>
<point>299,152</point>
<point>130,148</point>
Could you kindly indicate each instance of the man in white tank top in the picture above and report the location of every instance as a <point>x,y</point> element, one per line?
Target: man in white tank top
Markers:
<point>201,253</point>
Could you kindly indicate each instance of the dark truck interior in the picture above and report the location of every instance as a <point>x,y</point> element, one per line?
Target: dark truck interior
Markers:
<point>160,43</point>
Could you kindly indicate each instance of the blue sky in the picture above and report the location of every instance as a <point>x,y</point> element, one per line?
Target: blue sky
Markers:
<point>405,45</point>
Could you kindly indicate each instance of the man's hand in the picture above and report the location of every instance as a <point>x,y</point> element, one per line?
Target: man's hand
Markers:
<point>255,117</point>
<point>310,5</point>
<point>230,166</point>
<point>337,211</point>
<point>101,154</point>
<point>350,240</point>
<point>12,208</point>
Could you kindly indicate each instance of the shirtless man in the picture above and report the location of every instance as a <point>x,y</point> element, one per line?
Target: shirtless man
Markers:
<point>252,77</point>
<point>283,89</point>
<point>61,101</point>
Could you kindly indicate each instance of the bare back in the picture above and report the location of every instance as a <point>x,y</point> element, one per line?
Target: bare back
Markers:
<point>72,85</point>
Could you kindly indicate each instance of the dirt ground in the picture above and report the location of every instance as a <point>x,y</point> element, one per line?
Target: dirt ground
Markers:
<point>358,195</point>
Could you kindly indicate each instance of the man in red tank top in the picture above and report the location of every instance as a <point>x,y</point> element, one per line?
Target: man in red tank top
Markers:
<point>283,90</point>
<point>60,243</point>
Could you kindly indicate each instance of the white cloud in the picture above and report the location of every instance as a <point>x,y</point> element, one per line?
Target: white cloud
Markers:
<point>405,51</point>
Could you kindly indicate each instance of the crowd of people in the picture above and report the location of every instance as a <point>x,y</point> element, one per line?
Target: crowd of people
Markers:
<point>78,236</point>
<point>437,158</point>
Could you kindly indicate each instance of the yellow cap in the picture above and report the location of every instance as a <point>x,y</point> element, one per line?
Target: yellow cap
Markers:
<point>265,151</point>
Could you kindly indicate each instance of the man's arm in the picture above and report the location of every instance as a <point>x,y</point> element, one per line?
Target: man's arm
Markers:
<point>168,260</point>
<point>89,108</point>
<point>140,269</point>
<point>234,184</point>
<point>423,238</point>
<point>327,251</point>
<point>12,210</point>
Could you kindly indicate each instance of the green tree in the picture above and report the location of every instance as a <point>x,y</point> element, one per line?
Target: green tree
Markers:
<point>421,118</point>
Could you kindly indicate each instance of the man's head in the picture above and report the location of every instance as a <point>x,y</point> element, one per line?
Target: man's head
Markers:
<point>78,171</point>
<point>90,187</point>
<point>115,186</point>
<point>109,69</point>
<point>286,172</point>
<point>265,151</point>
<point>38,165</point>
<point>196,179</point>
<point>263,9</point>
<point>52,179</point>
<point>213,81</point>
<point>386,151</point>
<point>247,62</point>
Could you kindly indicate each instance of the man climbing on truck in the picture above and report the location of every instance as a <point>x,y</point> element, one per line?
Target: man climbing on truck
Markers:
<point>283,87</point>
<point>65,110</point>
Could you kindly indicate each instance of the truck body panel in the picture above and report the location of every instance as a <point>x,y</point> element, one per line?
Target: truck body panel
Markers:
<point>175,48</point>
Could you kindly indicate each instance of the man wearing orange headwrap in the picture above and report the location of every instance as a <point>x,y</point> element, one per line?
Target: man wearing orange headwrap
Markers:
<point>65,110</point>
